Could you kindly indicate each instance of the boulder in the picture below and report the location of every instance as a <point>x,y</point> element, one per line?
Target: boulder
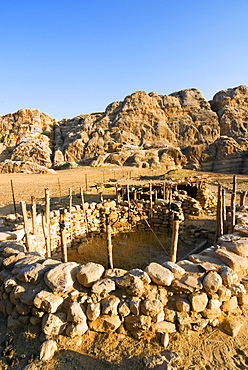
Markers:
<point>224,293</point>
<point>183,305</point>
<point>159,274</point>
<point>47,350</point>
<point>141,274</point>
<point>62,277</point>
<point>53,324</point>
<point>229,277</point>
<point>212,282</point>
<point>230,305</point>
<point>105,324</point>
<point>137,322</point>
<point>164,327</point>
<point>232,326</point>
<point>235,262</point>
<point>239,247</point>
<point>151,307</point>
<point>199,302</point>
<point>76,329</point>
<point>133,284</point>
<point>76,313</point>
<point>47,301</point>
<point>93,311</point>
<point>110,306</point>
<point>123,309</point>
<point>103,287</point>
<point>89,273</point>
<point>174,268</point>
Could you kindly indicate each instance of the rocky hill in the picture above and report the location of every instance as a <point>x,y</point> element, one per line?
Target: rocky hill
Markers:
<point>180,130</point>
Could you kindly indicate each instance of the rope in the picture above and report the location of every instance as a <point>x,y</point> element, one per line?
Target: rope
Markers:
<point>152,230</point>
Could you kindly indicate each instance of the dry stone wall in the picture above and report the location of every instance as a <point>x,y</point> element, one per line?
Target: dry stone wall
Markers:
<point>91,218</point>
<point>49,297</point>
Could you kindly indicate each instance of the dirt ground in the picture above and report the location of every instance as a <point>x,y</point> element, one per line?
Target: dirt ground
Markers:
<point>204,350</point>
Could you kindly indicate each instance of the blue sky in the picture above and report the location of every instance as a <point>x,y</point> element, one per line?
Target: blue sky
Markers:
<point>69,57</point>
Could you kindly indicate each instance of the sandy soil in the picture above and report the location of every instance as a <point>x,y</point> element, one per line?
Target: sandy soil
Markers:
<point>208,349</point>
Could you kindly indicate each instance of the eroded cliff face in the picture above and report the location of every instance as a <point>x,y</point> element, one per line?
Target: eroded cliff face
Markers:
<point>26,135</point>
<point>144,130</point>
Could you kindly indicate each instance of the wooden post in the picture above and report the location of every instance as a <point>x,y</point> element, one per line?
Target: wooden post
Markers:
<point>33,215</point>
<point>84,212</point>
<point>25,222</point>
<point>86,182</point>
<point>109,243</point>
<point>233,204</point>
<point>63,237</point>
<point>70,210</point>
<point>128,196</point>
<point>150,197</point>
<point>82,197</point>
<point>219,214</point>
<point>242,198</point>
<point>70,200</point>
<point>224,211</point>
<point>13,197</point>
<point>116,194</point>
<point>174,241</point>
<point>47,221</point>
<point>164,189</point>
<point>156,194</point>
<point>135,194</point>
<point>45,232</point>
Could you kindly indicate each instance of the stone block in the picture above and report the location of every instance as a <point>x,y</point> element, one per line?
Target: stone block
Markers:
<point>48,301</point>
<point>103,287</point>
<point>212,282</point>
<point>159,274</point>
<point>76,313</point>
<point>230,305</point>
<point>232,326</point>
<point>93,311</point>
<point>110,306</point>
<point>89,273</point>
<point>199,302</point>
<point>62,277</point>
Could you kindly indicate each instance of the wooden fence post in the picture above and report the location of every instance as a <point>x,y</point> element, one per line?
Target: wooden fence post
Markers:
<point>86,182</point>
<point>84,212</point>
<point>150,197</point>
<point>233,204</point>
<point>63,237</point>
<point>224,211</point>
<point>25,222</point>
<point>47,221</point>
<point>116,194</point>
<point>13,197</point>
<point>174,241</point>
<point>109,243</point>
<point>242,198</point>
<point>219,214</point>
<point>34,225</point>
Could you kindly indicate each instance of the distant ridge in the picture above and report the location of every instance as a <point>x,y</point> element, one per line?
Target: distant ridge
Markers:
<point>180,130</point>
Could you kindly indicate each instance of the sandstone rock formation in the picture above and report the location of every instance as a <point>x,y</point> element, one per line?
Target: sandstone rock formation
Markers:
<point>180,130</point>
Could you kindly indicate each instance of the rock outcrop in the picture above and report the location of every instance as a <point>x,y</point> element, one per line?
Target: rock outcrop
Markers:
<point>180,130</point>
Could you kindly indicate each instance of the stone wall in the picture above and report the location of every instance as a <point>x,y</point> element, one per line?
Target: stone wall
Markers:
<point>91,218</point>
<point>49,297</point>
